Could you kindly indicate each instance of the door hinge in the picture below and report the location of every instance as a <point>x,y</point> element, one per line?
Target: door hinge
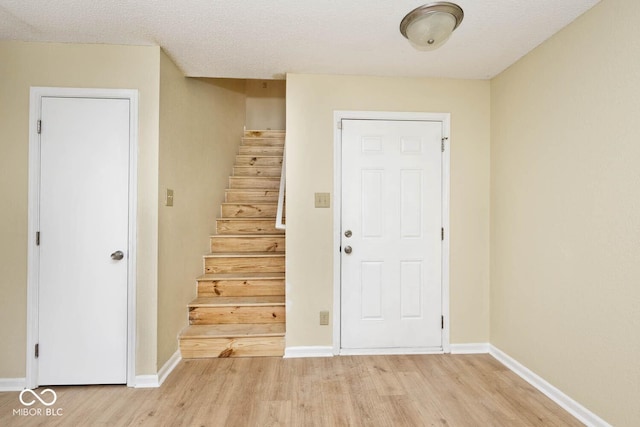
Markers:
<point>339,124</point>
<point>442,234</point>
<point>39,127</point>
<point>442,140</point>
<point>37,238</point>
<point>441,322</point>
<point>37,351</point>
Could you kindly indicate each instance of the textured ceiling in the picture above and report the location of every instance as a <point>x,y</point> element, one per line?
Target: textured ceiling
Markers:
<point>266,39</point>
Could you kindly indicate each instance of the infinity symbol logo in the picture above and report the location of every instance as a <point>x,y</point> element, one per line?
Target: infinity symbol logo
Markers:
<point>36,397</point>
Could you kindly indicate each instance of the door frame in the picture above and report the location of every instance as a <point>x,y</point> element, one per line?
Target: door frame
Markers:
<point>338,116</point>
<point>33,256</point>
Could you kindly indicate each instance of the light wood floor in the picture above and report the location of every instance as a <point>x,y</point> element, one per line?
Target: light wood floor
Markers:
<point>416,390</point>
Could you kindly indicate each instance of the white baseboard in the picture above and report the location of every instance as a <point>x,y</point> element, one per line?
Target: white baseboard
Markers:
<point>147,381</point>
<point>169,366</point>
<point>389,351</point>
<point>142,381</point>
<point>470,348</point>
<point>568,404</point>
<point>311,351</point>
<point>13,384</point>
<point>155,381</point>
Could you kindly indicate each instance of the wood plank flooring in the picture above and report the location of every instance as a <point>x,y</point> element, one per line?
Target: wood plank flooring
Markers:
<point>411,390</point>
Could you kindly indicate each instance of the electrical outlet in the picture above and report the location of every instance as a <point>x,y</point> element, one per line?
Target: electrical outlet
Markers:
<point>324,317</point>
<point>169,198</point>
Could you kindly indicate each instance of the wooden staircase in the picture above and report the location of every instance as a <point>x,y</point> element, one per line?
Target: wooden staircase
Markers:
<point>240,306</point>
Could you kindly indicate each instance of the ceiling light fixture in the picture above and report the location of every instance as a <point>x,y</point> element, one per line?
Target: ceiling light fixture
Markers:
<point>428,27</point>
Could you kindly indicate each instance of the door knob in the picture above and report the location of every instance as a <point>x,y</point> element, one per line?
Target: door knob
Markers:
<point>348,233</point>
<point>347,250</point>
<point>117,255</point>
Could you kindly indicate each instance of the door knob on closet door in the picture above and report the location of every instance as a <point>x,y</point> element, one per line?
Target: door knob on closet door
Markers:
<point>348,250</point>
<point>117,255</point>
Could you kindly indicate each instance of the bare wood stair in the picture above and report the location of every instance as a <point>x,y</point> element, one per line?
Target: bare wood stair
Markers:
<point>240,306</point>
<point>247,243</point>
<point>251,196</point>
<point>233,310</point>
<point>241,285</point>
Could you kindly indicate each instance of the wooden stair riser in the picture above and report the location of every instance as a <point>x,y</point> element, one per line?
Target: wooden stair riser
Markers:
<point>195,348</point>
<point>251,196</point>
<point>215,265</point>
<point>257,161</point>
<point>240,288</point>
<point>241,314</point>
<point>274,171</point>
<point>269,133</point>
<point>251,150</point>
<point>220,244</point>
<point>249,210</point>
<point>251,182</point>
<point>247,226</point>
<point>262,142</point>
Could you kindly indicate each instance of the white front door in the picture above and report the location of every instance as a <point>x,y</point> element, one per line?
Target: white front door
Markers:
<point>84,196</point>
<point>391,262</point>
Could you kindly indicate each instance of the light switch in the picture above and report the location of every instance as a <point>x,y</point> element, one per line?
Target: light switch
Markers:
<point>168,201</point>
<point>323,200</point>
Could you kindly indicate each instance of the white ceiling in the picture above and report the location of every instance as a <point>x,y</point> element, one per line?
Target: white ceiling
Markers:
<point>266,39</point>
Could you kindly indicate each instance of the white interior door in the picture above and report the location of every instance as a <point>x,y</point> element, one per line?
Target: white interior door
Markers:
<point>391,262</point>
<point>82,293</point>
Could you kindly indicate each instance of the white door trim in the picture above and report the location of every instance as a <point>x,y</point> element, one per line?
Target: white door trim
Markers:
<point>338,116</point>
<point>36,95</point>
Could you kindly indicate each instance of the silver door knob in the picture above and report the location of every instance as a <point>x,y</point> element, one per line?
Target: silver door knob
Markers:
<point>117,255</point>
<point>348,233</point>
<point>347,250</point>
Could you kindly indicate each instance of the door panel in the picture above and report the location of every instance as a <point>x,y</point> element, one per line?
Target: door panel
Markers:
<point>83,220</point>
<point>391,282</point>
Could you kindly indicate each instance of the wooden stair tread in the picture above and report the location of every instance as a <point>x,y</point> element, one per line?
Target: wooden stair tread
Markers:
<point>247,218</point>
<point>245,255</point>
<point>252,182</point>
<point>242,236</point>
<point>252,190</point>
<point>249,170</point>
<point>267,137</point>
<point>240,276</point>
<point>238,301</point>
<point>272,156</point>
<point>230,330</point>
<point>249,203</point>
<point>256,179</point>
<point>268,140</point>
<point>264,132</point>
<point>259,150</point>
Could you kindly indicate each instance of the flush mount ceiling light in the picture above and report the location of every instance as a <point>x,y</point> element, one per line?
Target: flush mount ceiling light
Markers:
<point>428,27</point>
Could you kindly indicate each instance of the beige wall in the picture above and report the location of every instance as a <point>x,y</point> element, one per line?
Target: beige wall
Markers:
<point>311,101</point>
<point>266,104</point>
<point>23,65</point>
<point>565,202</point>
<point>201,122</point>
